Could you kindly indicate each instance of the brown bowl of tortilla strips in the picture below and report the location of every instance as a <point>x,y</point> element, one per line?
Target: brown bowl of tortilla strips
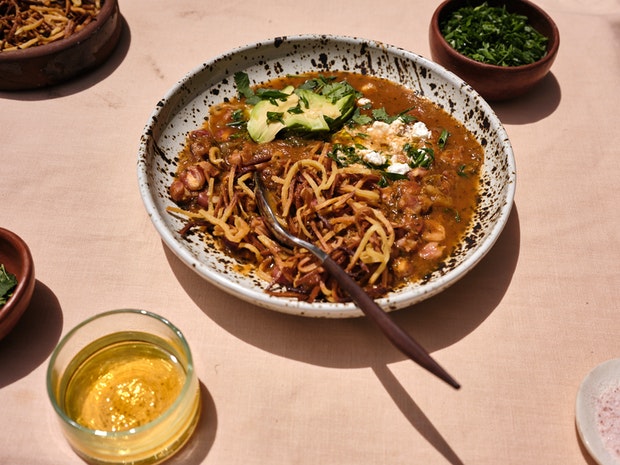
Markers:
<point>43,43</point>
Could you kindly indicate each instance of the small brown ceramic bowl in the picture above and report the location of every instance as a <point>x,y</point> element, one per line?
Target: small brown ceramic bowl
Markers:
<point>493,82</point>
<point>55,62</point>
<point>16,258</point>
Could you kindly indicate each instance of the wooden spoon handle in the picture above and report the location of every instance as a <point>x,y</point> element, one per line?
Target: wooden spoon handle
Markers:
<point>402,340</point>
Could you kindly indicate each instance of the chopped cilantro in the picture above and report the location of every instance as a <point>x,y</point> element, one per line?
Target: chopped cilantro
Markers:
<point>8,282</point>
<point>275,116</point>
<point>359,118</point>
<point>296,110</point>
<point>443,139</point>
<point>344,155</point>
<point>272,95</point>
<point>386,176</point>
<point>380,114</point>
<point>242,81</point>
<point>492,35</point>
<point>238,119</point>
<point>419,157</point>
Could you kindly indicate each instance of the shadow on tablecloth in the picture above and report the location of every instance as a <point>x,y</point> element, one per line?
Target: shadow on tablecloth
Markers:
<point>436,323</point>
<point>33,338</point>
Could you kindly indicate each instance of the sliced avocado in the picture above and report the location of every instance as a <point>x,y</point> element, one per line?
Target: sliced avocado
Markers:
<point>264,123</point>
<point>303,111</point>
<point>314,112</point>
<point>346,106</point>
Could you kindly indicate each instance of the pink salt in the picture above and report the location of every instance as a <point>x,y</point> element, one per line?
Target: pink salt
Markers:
<point>608,419</point>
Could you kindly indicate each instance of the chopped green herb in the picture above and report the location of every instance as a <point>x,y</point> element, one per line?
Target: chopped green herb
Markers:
<point>455,213</point>
<point>238,119</point>
<point>380,114</point>
<point>386,176</point>
<point>461,171</point>
<point>344,155</point>
<point>328,87</point>
<point>272,94</point>
<point>317,84</point>
<point>297,110</point>
<point>275,116</point>
<point>359,118</point>
<point>8,281</point>
<point>419,157</point>
<point>242,81</point>
<point>443,139</point>
<point>492,35</point>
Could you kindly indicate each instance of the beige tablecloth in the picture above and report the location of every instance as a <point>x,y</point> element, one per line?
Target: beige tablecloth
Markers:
<point>519,332</point>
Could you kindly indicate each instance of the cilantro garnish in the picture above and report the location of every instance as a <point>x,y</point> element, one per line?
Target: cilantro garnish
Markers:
<point>275,116</point>
<point>238,119</point>
<point>380,114</point>
<point>386,176</point>
<point>345,155</point>
<point>492,35</point>
<point>8,282</point>
<point>419,157</point>
<point>443,138</point>
<point>242,81</point>
<point>359,118</point>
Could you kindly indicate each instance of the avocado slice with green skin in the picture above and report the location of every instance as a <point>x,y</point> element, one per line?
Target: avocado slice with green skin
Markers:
<point>263,125</point>
<point>302,111</point>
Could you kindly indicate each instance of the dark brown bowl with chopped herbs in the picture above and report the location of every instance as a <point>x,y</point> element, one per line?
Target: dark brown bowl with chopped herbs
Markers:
<point>501,48</point>
<point>16,279</point>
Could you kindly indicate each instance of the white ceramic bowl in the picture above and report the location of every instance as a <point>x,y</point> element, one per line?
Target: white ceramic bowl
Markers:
<point>595,388</point>
<point>184,108</point>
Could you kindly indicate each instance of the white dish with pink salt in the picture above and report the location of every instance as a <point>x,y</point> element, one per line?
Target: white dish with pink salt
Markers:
<point>597,412</point>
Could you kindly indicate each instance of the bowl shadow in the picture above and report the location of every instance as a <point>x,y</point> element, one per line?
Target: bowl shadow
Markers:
<point>82,81</point>
<point>355,342</point>
<point>536,105</point>
<point>33,338</point>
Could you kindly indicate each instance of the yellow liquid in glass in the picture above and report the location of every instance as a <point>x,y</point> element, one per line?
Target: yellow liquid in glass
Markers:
<point>123,386</point>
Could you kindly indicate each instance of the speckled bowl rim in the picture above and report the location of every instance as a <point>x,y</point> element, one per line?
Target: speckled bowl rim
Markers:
<point>161,141</point>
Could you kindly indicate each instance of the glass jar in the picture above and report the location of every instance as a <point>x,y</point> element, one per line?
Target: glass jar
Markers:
<point>124,387</point>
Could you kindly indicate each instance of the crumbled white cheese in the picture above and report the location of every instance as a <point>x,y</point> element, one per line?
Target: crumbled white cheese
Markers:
<point>397,127</point>
<point>379,130</point>
<point>385,142</point>
<point>420,130</point>
<point>363,101</point>
<point>398,168</point>
<point>373,157</point>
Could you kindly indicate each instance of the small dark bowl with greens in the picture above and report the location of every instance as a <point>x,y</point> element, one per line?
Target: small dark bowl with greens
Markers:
<point>17,279</point>
<point>502,48</point>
